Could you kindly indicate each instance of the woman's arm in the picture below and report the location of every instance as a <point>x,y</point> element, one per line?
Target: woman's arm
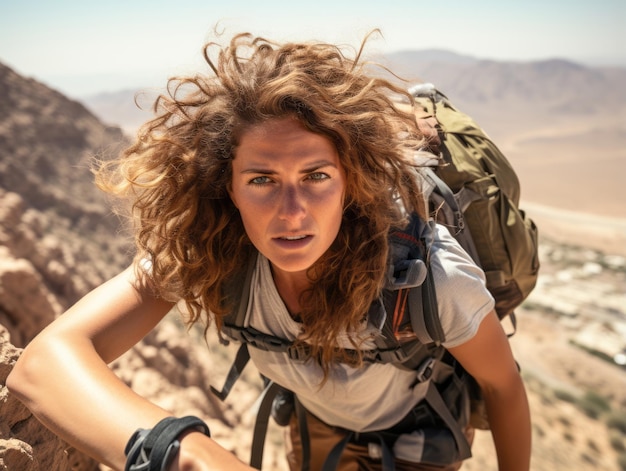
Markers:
<point>63,377</point>
<point>488,358</point>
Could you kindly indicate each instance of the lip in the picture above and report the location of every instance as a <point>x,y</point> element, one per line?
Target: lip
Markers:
<point>293,241</point>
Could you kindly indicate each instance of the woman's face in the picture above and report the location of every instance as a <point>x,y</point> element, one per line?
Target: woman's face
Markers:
<point>289,186</point>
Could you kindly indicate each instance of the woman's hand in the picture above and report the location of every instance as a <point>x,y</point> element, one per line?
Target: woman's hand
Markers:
<point>200,453</point>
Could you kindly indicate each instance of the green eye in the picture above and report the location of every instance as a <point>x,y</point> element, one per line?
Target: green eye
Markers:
<point>318,176</point>
<point>259,181</point>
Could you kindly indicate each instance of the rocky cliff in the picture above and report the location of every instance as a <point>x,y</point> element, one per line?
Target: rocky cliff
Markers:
<point>58,240</point>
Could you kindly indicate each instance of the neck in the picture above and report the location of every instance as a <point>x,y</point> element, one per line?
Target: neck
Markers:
<point>290,286</point>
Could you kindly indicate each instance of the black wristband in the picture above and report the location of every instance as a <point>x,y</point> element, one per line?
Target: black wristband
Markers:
<point>154,450</point>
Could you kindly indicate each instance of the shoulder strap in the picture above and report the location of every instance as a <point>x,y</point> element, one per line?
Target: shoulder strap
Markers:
<point>453,209</point>
<point>422,309</point>
<point>241,360</point>
<point>237,294</point>
<point>261,424</point>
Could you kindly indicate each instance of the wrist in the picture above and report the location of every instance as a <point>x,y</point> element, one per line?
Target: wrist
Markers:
<point>155,449</point>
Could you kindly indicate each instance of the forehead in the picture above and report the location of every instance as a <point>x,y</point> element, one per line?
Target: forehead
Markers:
<point>282,137</point>
<point>272,128</point>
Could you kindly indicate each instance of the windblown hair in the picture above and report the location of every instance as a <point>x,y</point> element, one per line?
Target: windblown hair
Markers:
<point>176,175</point>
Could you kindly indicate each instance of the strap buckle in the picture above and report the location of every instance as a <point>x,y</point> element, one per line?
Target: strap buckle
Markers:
<point>426,369</point>
<point>407,274</point>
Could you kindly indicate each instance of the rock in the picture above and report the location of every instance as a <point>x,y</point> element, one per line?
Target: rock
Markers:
<point>25,444</point>
<point>25,303</point>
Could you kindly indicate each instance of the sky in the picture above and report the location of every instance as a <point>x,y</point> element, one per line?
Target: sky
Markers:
<point>83,47</point>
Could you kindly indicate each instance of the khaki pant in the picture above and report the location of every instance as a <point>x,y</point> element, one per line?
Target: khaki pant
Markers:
<point>354,458</point>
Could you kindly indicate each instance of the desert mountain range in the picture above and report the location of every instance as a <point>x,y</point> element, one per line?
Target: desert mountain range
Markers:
<point>563,127</point>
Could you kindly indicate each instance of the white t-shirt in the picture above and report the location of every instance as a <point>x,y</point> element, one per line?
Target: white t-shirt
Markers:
<point>374,396</point>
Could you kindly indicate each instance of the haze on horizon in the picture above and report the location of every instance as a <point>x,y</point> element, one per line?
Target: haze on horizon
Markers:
<point>83,48</point>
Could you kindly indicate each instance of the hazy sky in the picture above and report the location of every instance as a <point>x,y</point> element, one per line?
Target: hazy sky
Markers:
<point>84,46</point>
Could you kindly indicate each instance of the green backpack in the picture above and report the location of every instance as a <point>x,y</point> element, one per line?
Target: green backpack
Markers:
<point>475,193</point>
<point>484,213</point>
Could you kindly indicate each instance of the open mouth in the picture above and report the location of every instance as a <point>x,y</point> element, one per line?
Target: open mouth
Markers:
<point>294,241</point>
<point>298,237</point>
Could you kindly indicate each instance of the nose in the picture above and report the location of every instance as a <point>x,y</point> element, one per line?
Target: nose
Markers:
<point>291,205</point>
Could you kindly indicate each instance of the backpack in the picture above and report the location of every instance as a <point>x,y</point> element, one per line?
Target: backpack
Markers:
<point>475,193</point>
<point>483,210</point>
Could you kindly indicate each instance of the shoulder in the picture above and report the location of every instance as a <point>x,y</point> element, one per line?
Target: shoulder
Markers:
<point>449,258</point>
<point>462,295</point>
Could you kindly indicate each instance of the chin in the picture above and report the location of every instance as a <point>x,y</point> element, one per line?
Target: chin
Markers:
<point>293,266</point>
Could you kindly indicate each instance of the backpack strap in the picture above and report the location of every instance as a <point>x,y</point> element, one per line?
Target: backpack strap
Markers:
<point>241,360</point>
<point>422,309</point>
<point>424,314</point>
<point>261,423</point>
<point>435,401</point>
<point>237,294</point>
<point>304,434</point>
<point>443,198</point>
<point>332,461</point>
<point>453,206</point>
<point>267,409</point>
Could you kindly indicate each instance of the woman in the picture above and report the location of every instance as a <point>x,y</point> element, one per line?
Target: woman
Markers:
<point>293,156</point>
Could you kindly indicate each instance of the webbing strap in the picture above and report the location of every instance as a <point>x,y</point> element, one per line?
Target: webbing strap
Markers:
<point>453,207</point>
<point>304,434</point>
<point>429,303</point>
<point>424,313</point>
<point>332,460</point>
<point>431,395</point>
<point>261,424</point>
<point>262,421</point>
<point>513,320</point>
<point>241,360</point>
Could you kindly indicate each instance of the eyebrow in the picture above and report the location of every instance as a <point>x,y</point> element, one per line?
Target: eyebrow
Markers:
<point>313,168</point>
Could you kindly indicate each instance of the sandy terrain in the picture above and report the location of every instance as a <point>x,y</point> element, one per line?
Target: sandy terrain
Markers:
<point>572,173</point>
<point>604,233</point>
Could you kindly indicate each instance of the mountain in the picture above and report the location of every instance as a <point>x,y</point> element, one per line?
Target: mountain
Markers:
<point>126,108</point>
<point>484,88</point>
<point>46,143</point>
<point>555,85</point>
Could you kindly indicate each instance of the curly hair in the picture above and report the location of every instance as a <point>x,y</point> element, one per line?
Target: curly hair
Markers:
<point>176,175</point>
